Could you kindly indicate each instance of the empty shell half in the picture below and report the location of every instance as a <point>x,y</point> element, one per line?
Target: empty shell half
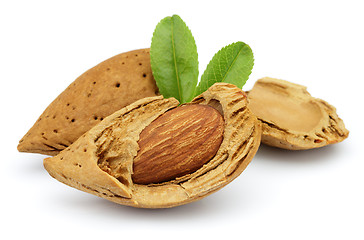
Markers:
<point>293,119</point>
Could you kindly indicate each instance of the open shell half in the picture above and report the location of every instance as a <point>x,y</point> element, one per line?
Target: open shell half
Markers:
<point>293,119</point>
<point>78,165</point>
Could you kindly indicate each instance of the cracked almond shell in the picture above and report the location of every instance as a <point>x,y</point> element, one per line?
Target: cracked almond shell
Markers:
<point>97,93</point>
<point>79,165</point>
<point>293,119</point>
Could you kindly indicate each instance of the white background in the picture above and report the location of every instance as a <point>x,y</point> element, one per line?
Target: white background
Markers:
<point>314,194</point>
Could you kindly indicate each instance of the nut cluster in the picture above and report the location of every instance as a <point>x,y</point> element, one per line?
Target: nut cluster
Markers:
<point>136,148</point>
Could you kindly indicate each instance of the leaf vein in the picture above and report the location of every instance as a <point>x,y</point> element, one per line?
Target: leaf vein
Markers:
<point>175,61</point>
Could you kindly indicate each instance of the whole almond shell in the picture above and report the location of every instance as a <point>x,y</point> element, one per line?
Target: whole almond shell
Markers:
<point>116,139</point>
<point>97,93</point>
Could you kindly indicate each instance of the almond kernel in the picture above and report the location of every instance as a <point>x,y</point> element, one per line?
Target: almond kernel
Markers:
<point>178,143</point>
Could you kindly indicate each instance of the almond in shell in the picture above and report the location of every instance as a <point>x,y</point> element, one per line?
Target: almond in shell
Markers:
<point>157,154</point>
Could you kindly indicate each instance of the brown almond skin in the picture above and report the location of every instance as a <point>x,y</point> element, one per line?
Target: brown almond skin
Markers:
<point>178,143</point>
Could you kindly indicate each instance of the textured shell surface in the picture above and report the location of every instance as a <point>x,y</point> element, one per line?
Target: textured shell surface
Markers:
<point>101,161</point>
<point>293,119</point>
<point>97,93</point>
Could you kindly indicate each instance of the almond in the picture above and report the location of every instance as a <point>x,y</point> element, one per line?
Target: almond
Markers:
<point>178,143</point>
<point>118,158</point>
<point>97,93</point>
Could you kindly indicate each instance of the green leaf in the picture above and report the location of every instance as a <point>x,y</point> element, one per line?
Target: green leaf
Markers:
<point>232,64</point>
<point>174,60</point>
